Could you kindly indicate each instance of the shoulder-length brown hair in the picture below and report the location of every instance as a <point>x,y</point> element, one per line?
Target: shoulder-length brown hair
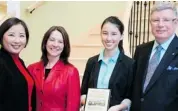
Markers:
<point>66,51</point>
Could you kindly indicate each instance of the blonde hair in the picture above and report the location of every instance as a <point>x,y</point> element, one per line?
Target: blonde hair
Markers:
<point>159,6</point>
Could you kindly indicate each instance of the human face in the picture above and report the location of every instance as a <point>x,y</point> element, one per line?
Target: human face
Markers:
<point>110,36</point>
<point>163,24</point>
<point>14,39</point>
<point>55,44</point>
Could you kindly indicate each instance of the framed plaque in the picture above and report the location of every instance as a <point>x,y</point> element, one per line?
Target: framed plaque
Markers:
<point>97,99</point>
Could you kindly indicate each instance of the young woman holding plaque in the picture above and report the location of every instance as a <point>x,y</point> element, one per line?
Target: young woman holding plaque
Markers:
<point>57,81</point>
<point>110,69</point>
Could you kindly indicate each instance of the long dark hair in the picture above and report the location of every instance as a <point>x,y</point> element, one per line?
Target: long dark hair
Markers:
<point>66,51</point>
<point>114,20</point>
<point>7,24</point>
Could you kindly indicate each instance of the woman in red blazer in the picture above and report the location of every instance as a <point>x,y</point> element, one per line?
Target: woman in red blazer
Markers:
<point>57,81</point>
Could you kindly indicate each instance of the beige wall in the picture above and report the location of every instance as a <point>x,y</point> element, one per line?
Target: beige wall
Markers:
<point>77,17</point>
<point>2,11</point>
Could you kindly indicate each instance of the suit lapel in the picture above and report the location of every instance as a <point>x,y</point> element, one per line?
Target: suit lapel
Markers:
<point>171,52</point>
<point>56,70</point>
<point>117,68</point>
<point>12,67</point>
<point>96,72</point>
<point>10,63</point>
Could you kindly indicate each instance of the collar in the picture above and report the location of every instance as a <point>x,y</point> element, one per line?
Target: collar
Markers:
<point>113,58</point>
<point>165,45</point>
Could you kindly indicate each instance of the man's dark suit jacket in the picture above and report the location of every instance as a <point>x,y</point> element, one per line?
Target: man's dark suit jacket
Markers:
<point>120,80</point>
<point>161,93</point>
<point>13,86</point>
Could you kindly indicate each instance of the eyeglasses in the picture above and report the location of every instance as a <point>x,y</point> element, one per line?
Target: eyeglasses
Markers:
<point>164,21</point>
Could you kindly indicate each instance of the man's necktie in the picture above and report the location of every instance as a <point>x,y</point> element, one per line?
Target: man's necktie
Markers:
<point>153,63</point>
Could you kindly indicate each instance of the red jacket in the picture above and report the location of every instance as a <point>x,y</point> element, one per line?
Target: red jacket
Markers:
<point>60,91</point>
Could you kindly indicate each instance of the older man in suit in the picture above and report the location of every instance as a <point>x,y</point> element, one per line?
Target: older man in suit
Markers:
<point>155,85</point>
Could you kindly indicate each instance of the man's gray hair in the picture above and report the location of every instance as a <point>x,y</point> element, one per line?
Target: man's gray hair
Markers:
<point>159,6</point>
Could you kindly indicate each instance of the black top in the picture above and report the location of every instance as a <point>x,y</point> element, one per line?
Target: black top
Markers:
<point>13,86</point>
<point>47,72</point>
<point>119,83</point>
